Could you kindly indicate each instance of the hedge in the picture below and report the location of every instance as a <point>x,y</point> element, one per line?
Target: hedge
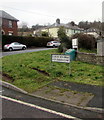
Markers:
<point>86,41</point>
<point>28,41</point>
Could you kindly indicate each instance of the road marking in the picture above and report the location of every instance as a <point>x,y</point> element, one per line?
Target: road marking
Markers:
<point>40,108</point>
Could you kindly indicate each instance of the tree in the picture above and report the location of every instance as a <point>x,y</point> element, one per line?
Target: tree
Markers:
<point>45,34</point>
<point>62,35</point>
<point>65,42</point>
<point>86,25</point>
<point>72,23</point>
<point>24,27</point>
<point>34,27</point>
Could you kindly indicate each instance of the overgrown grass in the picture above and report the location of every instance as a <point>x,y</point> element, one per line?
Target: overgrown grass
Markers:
<point>87,51</point>
<point>20,68</point>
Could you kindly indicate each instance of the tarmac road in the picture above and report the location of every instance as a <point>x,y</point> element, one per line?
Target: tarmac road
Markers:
<point>24,51</point>
<point>18,105</point>
<point>18,109</point>
<point>51,105</point>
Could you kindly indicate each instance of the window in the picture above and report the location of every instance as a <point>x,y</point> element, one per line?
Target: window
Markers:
<point>16,43</point>
<point>10,24</point>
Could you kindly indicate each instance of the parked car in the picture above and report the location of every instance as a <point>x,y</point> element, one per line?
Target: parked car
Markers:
<point>14,46</point>
<point>53,44</point>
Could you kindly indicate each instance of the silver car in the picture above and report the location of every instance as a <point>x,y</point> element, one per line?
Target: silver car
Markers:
<point>14,46</point>
<point>53,44</point>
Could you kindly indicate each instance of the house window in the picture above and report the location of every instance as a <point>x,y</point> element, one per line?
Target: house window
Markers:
<point>10,24</point>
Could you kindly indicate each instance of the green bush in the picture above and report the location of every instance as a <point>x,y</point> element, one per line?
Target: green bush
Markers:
<point>64,46</point>
<point>29,41</point>
<point>86,41</point>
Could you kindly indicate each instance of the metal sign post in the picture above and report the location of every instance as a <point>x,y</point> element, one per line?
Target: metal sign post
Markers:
<point>62,59</point>
<point>69,69</point>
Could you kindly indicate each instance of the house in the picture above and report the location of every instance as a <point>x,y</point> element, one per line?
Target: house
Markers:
<point>29,33</point>
<point>8,24</point>
<point>93,31</point>
<point>52,30</point>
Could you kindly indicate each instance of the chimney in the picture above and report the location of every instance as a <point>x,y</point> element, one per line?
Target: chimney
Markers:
<point>57,21</point>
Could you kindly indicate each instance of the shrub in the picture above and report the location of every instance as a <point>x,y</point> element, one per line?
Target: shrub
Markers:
<point>64,46</point>
<point>85,41</point>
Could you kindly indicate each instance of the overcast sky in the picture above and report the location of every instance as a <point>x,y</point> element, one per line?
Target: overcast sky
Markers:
<point>44,12</point>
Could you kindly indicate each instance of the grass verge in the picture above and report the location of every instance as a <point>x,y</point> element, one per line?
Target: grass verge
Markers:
<point>20,68</point>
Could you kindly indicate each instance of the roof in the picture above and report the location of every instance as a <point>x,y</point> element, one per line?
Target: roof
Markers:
<point>93,30</point>
<point>75,27</point>
<point>5,15</point>
<point>68,26</point>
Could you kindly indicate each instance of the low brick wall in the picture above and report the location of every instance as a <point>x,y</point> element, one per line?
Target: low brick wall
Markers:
<point>90,58</point>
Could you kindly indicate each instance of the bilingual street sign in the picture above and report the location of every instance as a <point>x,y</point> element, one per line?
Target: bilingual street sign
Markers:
<point>60,58</point>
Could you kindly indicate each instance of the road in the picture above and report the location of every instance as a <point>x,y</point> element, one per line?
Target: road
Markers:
<point>24,51</point>
<point>19,105</point>
<point>18,109</point>
<point>12,98</point>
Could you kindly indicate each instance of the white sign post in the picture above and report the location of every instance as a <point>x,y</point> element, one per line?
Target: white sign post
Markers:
<point>61,59</point>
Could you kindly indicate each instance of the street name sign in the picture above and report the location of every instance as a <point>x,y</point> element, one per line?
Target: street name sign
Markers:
<point>60,58</point>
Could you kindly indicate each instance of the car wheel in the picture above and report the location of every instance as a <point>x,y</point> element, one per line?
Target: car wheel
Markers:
<point>10,49</point>
<point>23,48</point>
<point>54,46</point>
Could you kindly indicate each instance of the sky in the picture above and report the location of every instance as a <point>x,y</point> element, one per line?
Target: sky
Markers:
<point>45,12</point>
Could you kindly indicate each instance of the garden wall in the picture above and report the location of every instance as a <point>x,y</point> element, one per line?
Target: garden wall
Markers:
<point>90,58</point>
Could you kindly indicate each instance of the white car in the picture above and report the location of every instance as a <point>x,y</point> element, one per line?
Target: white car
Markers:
<point>53,44</point>
<point>14,46</point>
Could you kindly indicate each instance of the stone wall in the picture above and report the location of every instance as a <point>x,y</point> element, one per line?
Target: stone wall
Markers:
<point>90,58</point>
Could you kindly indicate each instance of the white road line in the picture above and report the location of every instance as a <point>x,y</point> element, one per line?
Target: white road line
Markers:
<point>41,108</point>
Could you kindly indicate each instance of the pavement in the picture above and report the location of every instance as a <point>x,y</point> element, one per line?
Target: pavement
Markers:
<point>92,95</point>
<point>80,97</point>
